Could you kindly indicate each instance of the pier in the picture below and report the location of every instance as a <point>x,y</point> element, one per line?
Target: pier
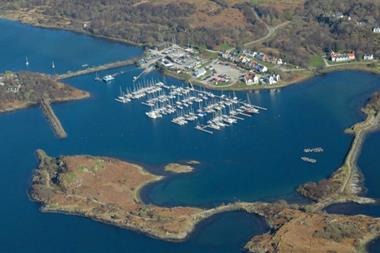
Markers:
<point>53,119</point>
<point>95,69</point>
<point>189,105</point>
<point>203,129</point>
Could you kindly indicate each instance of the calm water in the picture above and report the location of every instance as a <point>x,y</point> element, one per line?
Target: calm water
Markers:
<point>258,158</point>
<point>370,160</point>
<point>354,209</point>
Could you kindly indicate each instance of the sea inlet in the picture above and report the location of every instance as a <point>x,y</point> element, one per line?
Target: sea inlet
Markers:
<point>257,159</point>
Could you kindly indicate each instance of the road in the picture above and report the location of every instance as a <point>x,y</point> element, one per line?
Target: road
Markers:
<point>271,30</point>
<point>351,160</point>
<point>328,65</point>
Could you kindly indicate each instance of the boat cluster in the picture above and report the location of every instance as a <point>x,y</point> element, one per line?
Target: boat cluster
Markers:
<point>188,104</point>
<point>140,91</point>
<point>311,150</point>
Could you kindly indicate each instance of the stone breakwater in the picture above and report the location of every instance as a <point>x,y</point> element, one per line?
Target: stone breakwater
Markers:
<point>107,190</point>
<point>346,183</point>
<point>53,119</point>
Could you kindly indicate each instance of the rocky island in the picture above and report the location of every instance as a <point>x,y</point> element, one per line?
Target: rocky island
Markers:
<point>107,190</point>
<point>178,168</point>
<point>24,89</point>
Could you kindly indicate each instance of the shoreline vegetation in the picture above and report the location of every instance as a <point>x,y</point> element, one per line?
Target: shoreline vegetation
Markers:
<point>292,76</point>
<point>107,190</point>
<point>21,90</point>
<point>300,76</point>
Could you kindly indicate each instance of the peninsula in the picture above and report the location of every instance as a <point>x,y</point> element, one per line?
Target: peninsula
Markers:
<point>108,189</point>
<point>345,184</point>
<point>23,89</point>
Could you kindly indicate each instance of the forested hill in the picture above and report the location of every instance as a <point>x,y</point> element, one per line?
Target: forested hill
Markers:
<point>202,22</point>
<point>314,25</point>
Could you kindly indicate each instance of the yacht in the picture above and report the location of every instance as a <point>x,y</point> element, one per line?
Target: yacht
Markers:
<point>108,78</point>
<point>123,99</point>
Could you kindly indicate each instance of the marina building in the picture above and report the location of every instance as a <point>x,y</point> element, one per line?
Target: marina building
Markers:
<point>199,72</point>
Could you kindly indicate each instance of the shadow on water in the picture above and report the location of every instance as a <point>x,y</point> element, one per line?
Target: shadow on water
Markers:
<point>354,209</point>
<point>374,246</point>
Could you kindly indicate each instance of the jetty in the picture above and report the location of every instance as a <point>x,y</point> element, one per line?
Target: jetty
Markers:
<point>52,118</point>
<point>95,69</point>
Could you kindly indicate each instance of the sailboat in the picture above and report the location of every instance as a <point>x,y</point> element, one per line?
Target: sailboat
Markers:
<point>122,98</point>
<point>53,65</point>
<point>26,62</point>
<point>97,78</point>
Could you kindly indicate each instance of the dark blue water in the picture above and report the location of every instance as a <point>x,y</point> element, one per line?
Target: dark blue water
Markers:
<point>68,51</point>
<point>374,246</point>
<point>369,162</point>
<point>258,158</point>
<point>355,209</point>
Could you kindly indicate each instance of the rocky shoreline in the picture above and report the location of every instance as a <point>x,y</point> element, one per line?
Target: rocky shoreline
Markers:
<point>178,168</point>
<point>346,184</point>
<point>92,187</point>
<point>36,18</point>
<point>25,89</point>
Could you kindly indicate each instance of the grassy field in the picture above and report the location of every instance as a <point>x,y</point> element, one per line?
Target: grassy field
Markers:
<point>373,67</point>
<point>316,61</point>
<point>279,3</point>
<point>224,47</point>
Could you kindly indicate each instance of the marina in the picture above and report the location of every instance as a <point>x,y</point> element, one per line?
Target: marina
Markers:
<point>253,158</point>
<point>186,105</point>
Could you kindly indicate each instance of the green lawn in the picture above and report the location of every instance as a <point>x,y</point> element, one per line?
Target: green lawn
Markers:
<point>316,61</point>
<point>224,47</point>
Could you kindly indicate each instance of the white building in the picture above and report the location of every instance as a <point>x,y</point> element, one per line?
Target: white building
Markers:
<point>86,25</point>
<point>270,79</point>
<point>199,72</point>
<point>376,30</point>
<point>342,57</point>
<point>166,63</point>
<point>250,79</point>
<point>368,57</point>
<point>261,68</point>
